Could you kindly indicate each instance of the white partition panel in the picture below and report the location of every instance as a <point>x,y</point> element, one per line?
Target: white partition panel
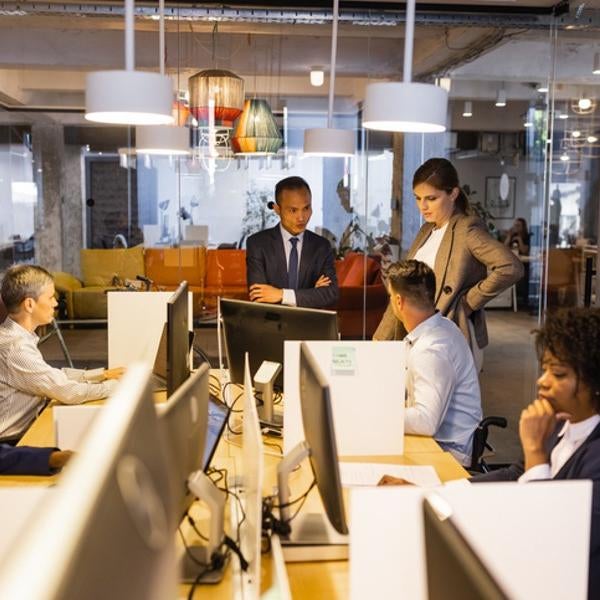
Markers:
<point>135,323</point>
<point>366,380</point>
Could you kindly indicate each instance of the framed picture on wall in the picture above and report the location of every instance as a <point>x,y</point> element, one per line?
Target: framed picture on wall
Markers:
<point>500,195</point>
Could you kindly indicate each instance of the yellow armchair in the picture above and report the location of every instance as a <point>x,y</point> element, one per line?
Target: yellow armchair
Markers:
<point>65,284</point>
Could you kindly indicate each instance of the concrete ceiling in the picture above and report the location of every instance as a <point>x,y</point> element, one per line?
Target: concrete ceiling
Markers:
<point>45,54</point>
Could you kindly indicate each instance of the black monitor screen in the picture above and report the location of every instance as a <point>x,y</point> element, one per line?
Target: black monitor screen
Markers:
<point>261,329</point>
<point>454,571</point>
<point>218,413</point>
<point>319,433</point>
<point>178,338</point>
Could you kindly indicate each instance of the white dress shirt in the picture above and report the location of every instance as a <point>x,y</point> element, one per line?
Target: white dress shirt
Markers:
<point>572,435</point>
<point>26,379</point>
<point>443,396</point>
<point>289,296</point>
<point>428,251</point>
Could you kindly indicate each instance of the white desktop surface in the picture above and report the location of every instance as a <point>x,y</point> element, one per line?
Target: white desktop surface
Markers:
<point>18,506</point>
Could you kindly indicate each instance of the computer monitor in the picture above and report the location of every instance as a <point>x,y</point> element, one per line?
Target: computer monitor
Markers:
<point>105,531</point>
<point>184,420</point>
<point>454,571</point>
<point>178,338</point>
<point>218,414</point>
<point>260,330</point>
<point>317,418</point>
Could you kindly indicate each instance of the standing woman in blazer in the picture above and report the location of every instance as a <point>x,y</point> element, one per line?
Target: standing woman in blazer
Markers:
<point>470,266</point>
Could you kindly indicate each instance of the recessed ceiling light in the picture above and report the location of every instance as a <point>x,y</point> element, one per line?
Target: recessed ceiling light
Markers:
<point>468,109</point>
<point>584,103</point>
<point>591,139</point>
<point>564,157</point>
<point>542,88</point>
<point>576,133</point>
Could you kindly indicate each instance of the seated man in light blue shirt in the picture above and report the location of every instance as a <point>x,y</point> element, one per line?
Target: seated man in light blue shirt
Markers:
<point>442,388</point>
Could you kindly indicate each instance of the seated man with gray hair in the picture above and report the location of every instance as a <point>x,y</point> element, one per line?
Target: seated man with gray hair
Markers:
<point>26,379</point>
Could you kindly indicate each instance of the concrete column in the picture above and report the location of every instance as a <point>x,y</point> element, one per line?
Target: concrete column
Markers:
<point>48,154</point>
<point>72,209</point>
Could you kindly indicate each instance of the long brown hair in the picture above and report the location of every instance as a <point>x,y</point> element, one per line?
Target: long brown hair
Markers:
<point>441,174</point>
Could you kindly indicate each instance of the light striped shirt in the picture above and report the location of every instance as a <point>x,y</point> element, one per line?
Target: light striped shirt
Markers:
<point>26,379</point>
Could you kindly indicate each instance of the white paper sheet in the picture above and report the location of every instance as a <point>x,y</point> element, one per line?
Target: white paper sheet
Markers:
<point>367,474</point>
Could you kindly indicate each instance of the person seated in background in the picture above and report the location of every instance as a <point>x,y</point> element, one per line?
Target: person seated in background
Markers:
<point>288,264</point>
<point>560,429</point>
<point>27,460</point>
<point>517,237</point>
<point>443,396</point>
<point>26,379</point>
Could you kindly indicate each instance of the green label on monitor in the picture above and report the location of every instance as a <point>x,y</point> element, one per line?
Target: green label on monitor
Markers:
<point>343,360</point>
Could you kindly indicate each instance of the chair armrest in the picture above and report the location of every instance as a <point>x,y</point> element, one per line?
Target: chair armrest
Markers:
<point>65,282</point>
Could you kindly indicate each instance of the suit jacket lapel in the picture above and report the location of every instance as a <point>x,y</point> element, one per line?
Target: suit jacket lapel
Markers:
<point>564,471</point>
<point>443,255</point>
<point>306,258</point>
<point>278,253</point>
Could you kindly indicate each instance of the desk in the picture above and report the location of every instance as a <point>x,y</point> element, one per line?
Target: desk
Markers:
<point>307,580</point>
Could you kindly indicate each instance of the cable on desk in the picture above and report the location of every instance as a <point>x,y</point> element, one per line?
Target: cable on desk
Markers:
<point>272,524</point>
<point>191,521</point>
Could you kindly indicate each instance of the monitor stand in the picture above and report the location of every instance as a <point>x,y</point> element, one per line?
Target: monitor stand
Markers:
<point>197,555</point>
<point>264,380</point>
<point>312,538</point>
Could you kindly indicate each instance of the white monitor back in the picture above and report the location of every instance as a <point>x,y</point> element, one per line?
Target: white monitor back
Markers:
<point>135,324</point>
<point>253,475</point>
<point>533,538</point>
<point>366,381</point>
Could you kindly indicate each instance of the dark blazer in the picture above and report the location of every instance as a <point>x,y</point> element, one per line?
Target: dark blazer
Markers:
<point>25,460</point>
<point>583,464</point>
<point>266,263</point>
<point>469,264</point>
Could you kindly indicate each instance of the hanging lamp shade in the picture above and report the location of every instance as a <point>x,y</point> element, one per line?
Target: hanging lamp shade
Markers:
<point>256,131</point>
<point>181,112</point>
<point>227,90</point>
<point>328,142</point>
<point>405,106</point>
<point>128,98</point>
<point>163,140</point>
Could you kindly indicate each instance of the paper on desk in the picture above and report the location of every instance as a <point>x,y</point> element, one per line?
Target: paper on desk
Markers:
<point>359,474</point>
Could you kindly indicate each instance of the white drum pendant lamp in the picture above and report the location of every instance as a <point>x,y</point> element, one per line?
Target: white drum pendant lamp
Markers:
<point>329,141</point>
<point>406,106</point>
<point>162,140</point>
<point>128,97</point>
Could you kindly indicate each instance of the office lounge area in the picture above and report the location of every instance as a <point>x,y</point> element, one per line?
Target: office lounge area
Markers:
<point>522,116</point>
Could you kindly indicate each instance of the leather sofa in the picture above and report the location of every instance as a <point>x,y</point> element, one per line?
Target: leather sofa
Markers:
<point>210,274</point>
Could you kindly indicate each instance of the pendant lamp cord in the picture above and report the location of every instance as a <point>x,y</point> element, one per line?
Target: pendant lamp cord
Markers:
<point>334,30</point>
<point>409,35</point>
<point>129,37</point>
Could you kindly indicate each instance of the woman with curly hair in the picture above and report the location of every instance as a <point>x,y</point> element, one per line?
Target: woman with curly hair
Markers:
<point>560,429</point>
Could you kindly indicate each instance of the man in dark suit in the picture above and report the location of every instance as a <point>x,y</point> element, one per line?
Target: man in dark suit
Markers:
<point>288,264</point>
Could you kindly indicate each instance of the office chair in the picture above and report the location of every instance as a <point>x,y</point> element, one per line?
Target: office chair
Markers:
<point>480,444</point>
